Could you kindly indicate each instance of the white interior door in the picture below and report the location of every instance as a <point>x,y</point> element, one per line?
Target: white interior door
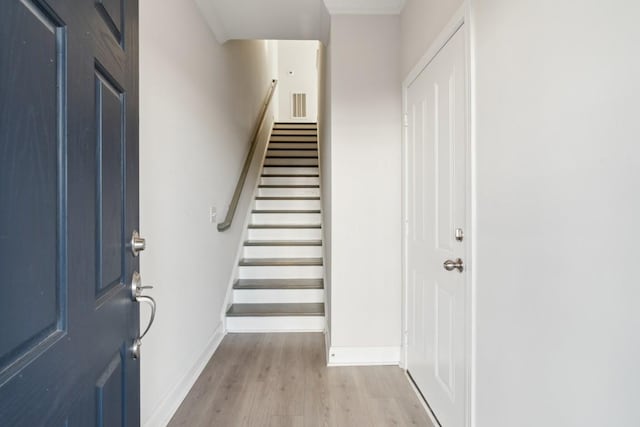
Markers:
<point>436,194</point>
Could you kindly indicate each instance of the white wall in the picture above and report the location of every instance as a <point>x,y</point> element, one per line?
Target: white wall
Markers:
<point>421,22</point>
<point>364,149</point>
<point>198,105</point>
<point>558,165</point>
<point>297,73</point>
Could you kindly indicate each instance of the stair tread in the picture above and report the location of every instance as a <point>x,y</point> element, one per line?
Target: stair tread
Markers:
<point>267,226</point>
<point>293,141</point>
<point>290,166</point>
<point>300,123</point>
<point>291,149</point>
<point>287,198</point>
<point>276,309</point>
<point>288,186</point>
<point>283,243</point>
<point>280,262</point>
<point>279,284</point>
<point>281,175</point>
<point>285,211</point>
<point>315,157</point>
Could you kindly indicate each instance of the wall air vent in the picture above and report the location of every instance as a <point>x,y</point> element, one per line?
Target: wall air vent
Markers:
<point>298,105</point>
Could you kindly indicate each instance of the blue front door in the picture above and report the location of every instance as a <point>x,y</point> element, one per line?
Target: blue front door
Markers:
<point>68,208</point>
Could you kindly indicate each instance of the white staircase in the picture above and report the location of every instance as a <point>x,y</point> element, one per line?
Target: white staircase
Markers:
<point>280,276</point>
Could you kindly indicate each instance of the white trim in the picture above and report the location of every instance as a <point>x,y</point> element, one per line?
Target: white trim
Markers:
<point>364,7</point>
<point>170,403</point>
<point>461,18</point>
<point>327,339</point>
<point>363,356</point>
<point>472,215</point>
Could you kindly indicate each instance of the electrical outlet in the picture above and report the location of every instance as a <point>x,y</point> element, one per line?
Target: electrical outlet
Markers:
<point>213,215</point>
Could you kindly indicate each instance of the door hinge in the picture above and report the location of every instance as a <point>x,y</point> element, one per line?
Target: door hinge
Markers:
<point>405,120</point>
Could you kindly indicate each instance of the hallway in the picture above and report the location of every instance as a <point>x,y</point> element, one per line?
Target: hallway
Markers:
<point>282,380</point>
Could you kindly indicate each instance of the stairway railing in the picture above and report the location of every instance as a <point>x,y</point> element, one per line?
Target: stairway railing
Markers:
<point>247,162</point>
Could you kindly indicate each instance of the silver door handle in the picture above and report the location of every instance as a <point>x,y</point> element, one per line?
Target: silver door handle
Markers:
<point>136,295</point>
<point>137,243</point>
<point>152,303</point>
<point>450,265</point>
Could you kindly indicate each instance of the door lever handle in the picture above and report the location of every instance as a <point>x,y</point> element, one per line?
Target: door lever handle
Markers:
<point>136,295</point>
<point>451,265</point>
<point>152,303</point>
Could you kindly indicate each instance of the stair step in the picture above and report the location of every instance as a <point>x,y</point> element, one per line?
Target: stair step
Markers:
<point>284,211</point>
<point>290,170</point>
<point>294,132</point>
<point>268,226</point>
<point>287,203</point>
<point>280,262</point>
<point>289,180</point>
<point>284,232</point>
<point>280,191</point>
<point>273,296</point>
<point>287,198</point>
<point>268,310</point>
<point>279,284</point>
<point>290,175</point>
<point>280,271</point>
<point>286,218</point>
<point>311,150</point>
<point>291,162</point>
<point>293,146</point>
<point>295,125</point>
<point>292,154</point>
<point>287,148</point>
<point>283,243</point>
<point>285,248</point>
<point>286,138</point>
<point>288,186</point>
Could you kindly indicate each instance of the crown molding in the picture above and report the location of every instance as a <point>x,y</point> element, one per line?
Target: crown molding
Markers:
<point>364,7</point>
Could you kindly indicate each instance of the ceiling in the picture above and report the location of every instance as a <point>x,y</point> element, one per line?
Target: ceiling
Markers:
<point>284,19</point>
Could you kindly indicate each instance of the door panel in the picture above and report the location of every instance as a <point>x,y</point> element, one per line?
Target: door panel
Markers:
<point>68,201</point>
<point>436,189</point>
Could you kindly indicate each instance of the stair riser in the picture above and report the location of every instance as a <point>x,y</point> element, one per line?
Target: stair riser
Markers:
<point>287,204</point>
<point>280,296</point>
<point>292,153</point>
<point>308,132</point>
<point>293,162</point>
<point>276,324</point>
<point>279,272</point>
<point>285,234</point>
<point>275,170</point>
<point>286,192</point>
<point>300,124</point>
<point>277,138</point>
<point>304,219</point>
<point>282,252</point>
<point>288,180</point>
<point>293,145</point>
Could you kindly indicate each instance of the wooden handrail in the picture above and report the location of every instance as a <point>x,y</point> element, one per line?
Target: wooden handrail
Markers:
<point>247,162</point>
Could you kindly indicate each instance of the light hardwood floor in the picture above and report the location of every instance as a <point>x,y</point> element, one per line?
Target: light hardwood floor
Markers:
<point>281,380</point>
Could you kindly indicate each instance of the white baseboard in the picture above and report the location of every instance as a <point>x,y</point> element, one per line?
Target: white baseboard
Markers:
<point>168,405</point>
<point>327,344</point>
<point>363,356</point>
